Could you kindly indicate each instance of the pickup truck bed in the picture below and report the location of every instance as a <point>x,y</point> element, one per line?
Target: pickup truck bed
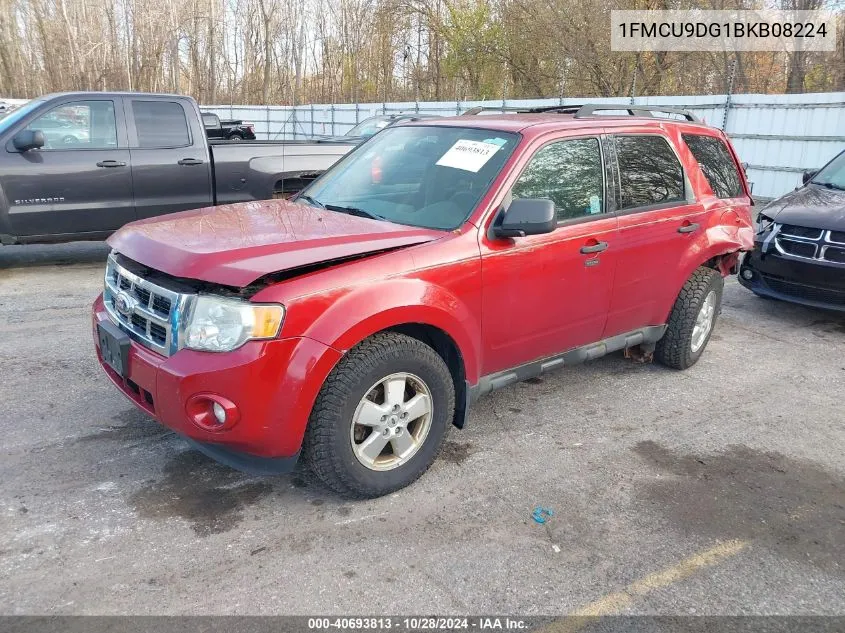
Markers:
<point>133,156</point>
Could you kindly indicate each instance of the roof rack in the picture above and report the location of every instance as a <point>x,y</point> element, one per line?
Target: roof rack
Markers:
<point>590,109</point>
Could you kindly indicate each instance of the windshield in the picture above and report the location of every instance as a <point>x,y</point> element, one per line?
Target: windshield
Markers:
<point>833,175</point>
<point>370,126</point>
<point>428,176</point>
<point>16,115</point>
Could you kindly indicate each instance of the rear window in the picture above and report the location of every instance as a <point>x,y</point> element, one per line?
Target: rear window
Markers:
<point>210,120</point>
<point>649,171</point>
<point>717,164</point>
<point>160,124</point>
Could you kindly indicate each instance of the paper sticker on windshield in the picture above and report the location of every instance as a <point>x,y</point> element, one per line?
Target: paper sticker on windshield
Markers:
<point>468,155</point>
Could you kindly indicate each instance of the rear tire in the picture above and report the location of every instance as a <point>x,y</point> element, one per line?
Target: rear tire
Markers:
<point>358,405</point>
<point>692,320</point>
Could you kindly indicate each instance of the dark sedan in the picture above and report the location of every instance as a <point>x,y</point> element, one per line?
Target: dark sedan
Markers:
<point>799,251</point>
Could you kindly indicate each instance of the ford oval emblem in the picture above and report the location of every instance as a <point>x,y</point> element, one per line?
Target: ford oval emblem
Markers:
<point>125,304</point>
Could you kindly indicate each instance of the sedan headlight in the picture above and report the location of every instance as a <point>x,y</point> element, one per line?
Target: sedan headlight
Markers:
<point>217,324</point>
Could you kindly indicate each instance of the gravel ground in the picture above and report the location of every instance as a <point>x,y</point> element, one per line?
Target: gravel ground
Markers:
<point>103,511</point>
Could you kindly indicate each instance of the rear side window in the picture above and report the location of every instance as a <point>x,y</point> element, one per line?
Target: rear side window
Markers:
<point>717,164</point>
<point>570,174</point>
<point>649,171</point>
<point>160,124</point>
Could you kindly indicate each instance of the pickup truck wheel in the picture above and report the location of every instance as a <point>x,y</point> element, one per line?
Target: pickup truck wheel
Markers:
<point>236,137</point>
<point>381,417</point>
<point>692,320</point>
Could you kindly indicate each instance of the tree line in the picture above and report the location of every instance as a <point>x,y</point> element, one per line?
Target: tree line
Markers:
<point>284,52</point>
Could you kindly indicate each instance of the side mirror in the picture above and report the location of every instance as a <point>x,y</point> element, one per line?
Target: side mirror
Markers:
<point>526,216</point>
<point>28,139</point>
<point>808,175</point>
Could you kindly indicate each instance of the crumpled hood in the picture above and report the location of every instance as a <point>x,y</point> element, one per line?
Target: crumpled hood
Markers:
<point>236,244</point>
<point>812,206</point>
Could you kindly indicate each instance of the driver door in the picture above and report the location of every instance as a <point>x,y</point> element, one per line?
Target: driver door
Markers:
<point>80,180</point>
<point>546,294</point>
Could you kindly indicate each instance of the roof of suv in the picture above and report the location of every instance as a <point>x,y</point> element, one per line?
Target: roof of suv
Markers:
<point>544,122</point>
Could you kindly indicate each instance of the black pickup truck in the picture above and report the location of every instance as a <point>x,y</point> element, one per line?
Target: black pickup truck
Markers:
<point>134,155</point>
<point>216,128</point>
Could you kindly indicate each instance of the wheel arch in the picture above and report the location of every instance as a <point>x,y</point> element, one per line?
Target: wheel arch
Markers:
<point>415,308</point>
<point>448,350</point>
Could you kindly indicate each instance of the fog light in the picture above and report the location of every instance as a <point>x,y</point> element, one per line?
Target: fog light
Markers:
<point>747,274</point>
<point>212,412</point>
<point>219,412</point>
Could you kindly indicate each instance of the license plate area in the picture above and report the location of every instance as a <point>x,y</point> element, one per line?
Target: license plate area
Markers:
<point>114,347</point>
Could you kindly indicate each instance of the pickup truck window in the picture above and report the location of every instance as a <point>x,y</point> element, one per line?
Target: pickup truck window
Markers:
<point>160,124</point>
<point>649,171</point>
<point>430,177</point>
<point>78,125</point>
<point>717,164</point>
<point>13,117</point>
<point>570,174</point>
<point>211,120</point>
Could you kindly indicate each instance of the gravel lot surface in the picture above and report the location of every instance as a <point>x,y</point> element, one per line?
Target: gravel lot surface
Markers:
<point>719,490</point>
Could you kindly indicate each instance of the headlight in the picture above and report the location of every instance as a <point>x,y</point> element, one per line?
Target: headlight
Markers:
<point>216,324</point>
<point>764,223</point>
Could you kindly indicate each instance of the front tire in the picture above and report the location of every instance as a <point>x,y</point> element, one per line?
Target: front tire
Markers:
<point>692,320</point>
<point>381,417</point>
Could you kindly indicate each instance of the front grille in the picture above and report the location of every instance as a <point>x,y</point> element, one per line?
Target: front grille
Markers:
<point>142,308</point>
<point>799,249</point>
<point>800,231</point>
<point>809,243</point>
<point>835,254</point>
<point>800,291</point>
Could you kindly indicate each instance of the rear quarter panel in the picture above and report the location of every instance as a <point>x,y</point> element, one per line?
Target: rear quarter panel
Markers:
<point>728,228</point>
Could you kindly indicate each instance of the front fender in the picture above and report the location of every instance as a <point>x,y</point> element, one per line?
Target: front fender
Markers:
<point>348,316</point>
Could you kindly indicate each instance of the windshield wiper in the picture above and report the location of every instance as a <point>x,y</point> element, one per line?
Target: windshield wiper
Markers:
<point>311,200</point>
<point>829,185</point>
<point>362,213</point>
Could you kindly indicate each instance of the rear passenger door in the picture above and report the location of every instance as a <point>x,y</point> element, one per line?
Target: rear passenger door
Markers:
<point>171,170</point>
<point>659,220</point>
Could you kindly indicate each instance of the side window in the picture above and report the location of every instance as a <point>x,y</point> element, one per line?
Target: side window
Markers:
<point>78,125</point>
<point>160,124</point>
<point>210,120</point>
<point>649,171</point>
<point>570,174</point>
<point>717,164</point>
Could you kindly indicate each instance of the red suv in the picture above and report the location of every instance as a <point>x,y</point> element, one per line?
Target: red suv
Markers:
<point>438,261</point>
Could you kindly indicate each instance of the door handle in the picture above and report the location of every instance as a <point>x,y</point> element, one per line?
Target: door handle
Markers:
<point>688,228</point>
<point>190,161</point>
<point>598,247</point>
<point>111,163</point>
